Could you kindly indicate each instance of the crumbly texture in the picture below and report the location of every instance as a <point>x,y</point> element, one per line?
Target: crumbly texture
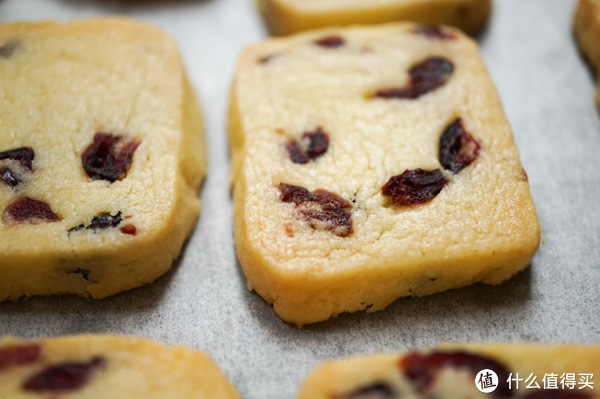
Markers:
<point>62,84</point>
<point>131,368</point>
<point>341,378</point>
<point>291,16</point>
<point>587,31</point>
<point>481,227</point>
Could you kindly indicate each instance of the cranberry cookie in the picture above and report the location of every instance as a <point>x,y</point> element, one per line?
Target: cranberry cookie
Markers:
<point>587,31</point>
<point>101,157</point>
<point>111,367</point>
<point>370,164</point>
<point>451,371</point>
<point>290,16</point>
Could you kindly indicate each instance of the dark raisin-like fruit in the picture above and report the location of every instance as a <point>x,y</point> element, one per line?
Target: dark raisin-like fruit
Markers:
<point>297,154</point>
<point>64,377</point>
<point>316,144</point>
<point>557,394</point>
<point>425,77</point>
<point>458,149</point>
<point>421,369</point>
<point>108,157</point>
<point>295,194</point>
<point>9,177</point>
<point>433,32</point>
<point>101,222</point>
<point>377,390</point>
<point>105,221</point>
<point>7,49</point>
<point>19,355</point>
<point>333,214</point>
<point>338,221</point>
<point>28,210</point>
<point>24,155</point>
<point>129,229</point>
<point>329,200</point>
<point>330,41</point>
<point>415,187</point>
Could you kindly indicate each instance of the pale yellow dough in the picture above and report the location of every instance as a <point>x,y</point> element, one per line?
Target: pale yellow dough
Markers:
<point>346,375</point>
<point>482,227</point>
<point>61,85</point>
<point>587,31</point>
<point>291,16</point>
<point>133,368</point>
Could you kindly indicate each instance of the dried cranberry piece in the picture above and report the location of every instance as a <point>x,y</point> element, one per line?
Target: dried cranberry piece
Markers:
<point>421,369</point>
<point>338,221</point>
<point>458,149</point>
<point>9,177</point>
<point>330,42</point>
<point>6,50</point>
<point>24,155</point>
<point>415,187</point>
<point>318,143</point>
<point>333,216</point>
<point>377,390</point>
<point>433,32</point>
<point>297,154</point>
<point>19,355</point>
<point>425,77</point>
<point>101,222</point>
<point>557,394</point>
<point>105,221</point>
<point>129,229</point>
<point>329,200</point>
<point>64,377</point>
<point>295,194</point>
<point>28,210</point>
<point>108,157</point>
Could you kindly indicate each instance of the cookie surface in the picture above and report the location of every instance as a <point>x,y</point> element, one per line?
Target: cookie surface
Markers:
<point>321,123</point>
<point>451,370</point>
<point>587,31</point>
<point>96,366</point>
<point>101,157</point>
<point>291,16</point>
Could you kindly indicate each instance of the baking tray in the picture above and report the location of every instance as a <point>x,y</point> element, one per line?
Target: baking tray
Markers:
<point>548,93</point>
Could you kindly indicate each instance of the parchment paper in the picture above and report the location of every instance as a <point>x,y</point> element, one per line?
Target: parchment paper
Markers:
<point>548,93</point>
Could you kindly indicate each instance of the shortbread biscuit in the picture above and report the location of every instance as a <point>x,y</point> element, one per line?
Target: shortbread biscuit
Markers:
<point>587,31</point>
<point>291,16</point>
<point>451,371</point>
<point>370,164</point>
<point>104,366</point>
<point>101,157</point>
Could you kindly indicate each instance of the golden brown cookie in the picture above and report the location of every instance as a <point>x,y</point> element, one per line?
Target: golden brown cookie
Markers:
<point>370,164</point>
<point>291,16</point>
<point>104,366</point>
<point>101,157</point>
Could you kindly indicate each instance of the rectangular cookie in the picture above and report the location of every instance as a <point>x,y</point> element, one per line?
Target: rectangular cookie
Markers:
<point>452,371</point>
<point>370,164</point>
<point>291,16</point>
<point>587,32</point>
<point>101,157</point>
<point>106,366</point>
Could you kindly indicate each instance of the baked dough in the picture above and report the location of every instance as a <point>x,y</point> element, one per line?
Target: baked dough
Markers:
<point>587,31</point>
<point>386,375</point>
<point>111,367</point>
<point>305,256</point>
<point>102,136</point>
<point>291,16</point>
